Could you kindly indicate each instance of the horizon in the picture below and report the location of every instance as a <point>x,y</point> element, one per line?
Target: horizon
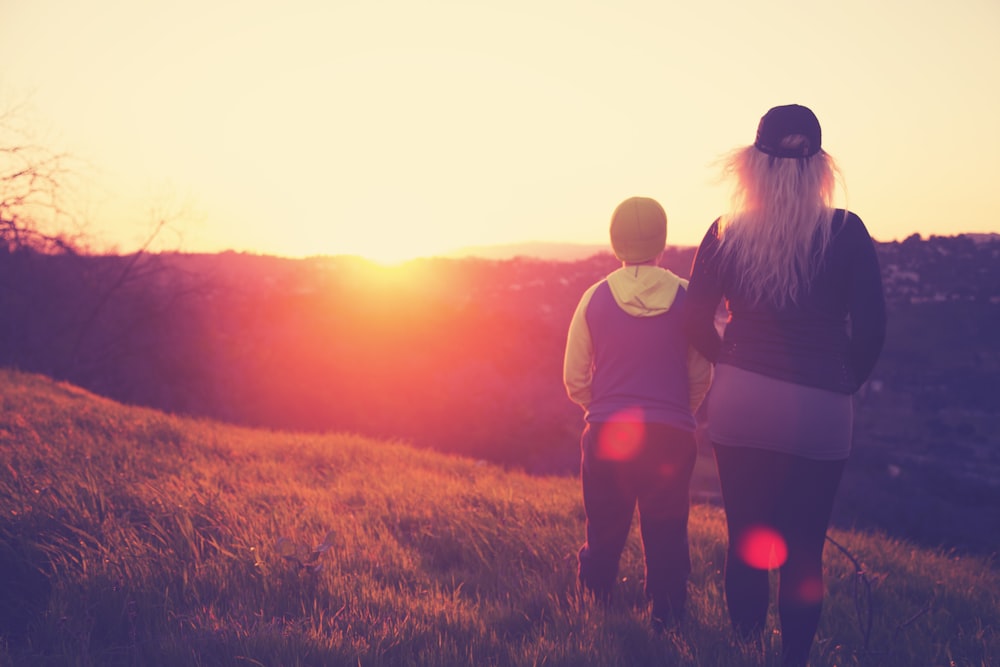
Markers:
<point>543,250</point>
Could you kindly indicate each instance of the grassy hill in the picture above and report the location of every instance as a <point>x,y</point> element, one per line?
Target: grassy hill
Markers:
<point>130,537</point>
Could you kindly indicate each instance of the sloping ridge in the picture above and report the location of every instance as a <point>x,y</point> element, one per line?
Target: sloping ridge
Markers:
<point>128,536</point>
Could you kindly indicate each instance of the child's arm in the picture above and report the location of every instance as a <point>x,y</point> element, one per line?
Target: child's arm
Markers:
<point>578,363</point>
<point>699,377</point>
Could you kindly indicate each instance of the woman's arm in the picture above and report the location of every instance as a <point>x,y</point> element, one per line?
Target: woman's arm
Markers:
<point>703,295</point>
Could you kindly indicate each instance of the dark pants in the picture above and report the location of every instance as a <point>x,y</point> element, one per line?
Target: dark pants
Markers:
<point>777,511</point>
<point>649,465</point>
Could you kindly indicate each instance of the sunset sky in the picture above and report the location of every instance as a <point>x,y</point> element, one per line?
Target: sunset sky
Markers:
<point>392,129</point>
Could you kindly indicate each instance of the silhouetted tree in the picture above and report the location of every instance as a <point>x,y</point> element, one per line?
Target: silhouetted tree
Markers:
<point>97,320</point>
<point>35,185</point>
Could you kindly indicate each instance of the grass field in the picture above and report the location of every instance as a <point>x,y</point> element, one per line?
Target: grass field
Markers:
<point>130,537</point>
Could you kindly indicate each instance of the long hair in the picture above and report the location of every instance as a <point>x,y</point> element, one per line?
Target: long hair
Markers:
<point>778,228</point>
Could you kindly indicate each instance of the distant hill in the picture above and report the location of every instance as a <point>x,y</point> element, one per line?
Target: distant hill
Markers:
<point>984,238</point>
<point>464,356</point>
<point>131,537</point>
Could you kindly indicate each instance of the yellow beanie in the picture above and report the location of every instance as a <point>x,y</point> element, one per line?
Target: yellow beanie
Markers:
<point>638,230</point>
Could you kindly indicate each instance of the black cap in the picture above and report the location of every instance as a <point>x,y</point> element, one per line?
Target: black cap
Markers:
<point>784,121</point>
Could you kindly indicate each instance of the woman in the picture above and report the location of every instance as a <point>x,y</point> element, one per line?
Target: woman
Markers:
<point>806,325</point>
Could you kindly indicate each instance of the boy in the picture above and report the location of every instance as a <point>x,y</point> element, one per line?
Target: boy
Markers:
<point>628,364</point>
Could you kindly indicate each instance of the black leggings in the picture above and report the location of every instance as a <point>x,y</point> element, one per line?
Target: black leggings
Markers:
<point>777,511</point>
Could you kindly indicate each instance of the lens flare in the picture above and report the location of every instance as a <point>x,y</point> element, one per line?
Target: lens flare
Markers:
<point>762,548</point>
<point>810,591</point>
<point>668,471</point>
<point>622,436</point>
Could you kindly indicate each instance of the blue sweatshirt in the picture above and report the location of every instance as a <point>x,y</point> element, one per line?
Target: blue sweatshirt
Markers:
<point>627,357</point>
<point>830,339</point>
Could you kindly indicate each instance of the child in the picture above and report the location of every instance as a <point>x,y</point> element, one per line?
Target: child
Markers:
<point>628,364</point>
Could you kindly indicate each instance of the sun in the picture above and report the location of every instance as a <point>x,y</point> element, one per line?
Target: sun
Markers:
<point>388,243</point>
<point>392,255</point>
<point>388,252</point>
<point>384,247</point>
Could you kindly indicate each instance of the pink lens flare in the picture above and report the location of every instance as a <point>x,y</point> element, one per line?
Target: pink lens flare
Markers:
<point>762,548</point>
<point>622,436</point>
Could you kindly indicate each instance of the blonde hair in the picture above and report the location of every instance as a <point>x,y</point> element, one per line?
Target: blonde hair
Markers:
<point>778,227</point>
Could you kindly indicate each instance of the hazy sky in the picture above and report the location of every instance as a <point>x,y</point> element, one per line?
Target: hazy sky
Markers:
<point>398,128</point>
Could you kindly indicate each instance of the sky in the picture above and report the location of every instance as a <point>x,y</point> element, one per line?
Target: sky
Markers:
<point>393,128</point>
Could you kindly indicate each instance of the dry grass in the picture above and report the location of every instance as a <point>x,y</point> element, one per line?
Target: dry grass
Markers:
<point>128,537</point>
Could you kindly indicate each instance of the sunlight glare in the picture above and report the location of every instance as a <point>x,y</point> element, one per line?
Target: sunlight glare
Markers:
<point>386,241</point>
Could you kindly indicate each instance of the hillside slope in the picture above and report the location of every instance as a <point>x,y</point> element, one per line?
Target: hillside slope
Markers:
<point>128,536</point>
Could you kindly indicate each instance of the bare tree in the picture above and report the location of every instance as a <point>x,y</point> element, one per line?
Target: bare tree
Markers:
<point>94,319</point>
<point>35,186</point>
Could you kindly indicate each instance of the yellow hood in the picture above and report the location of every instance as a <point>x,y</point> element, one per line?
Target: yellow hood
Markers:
<point>643,290</point>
